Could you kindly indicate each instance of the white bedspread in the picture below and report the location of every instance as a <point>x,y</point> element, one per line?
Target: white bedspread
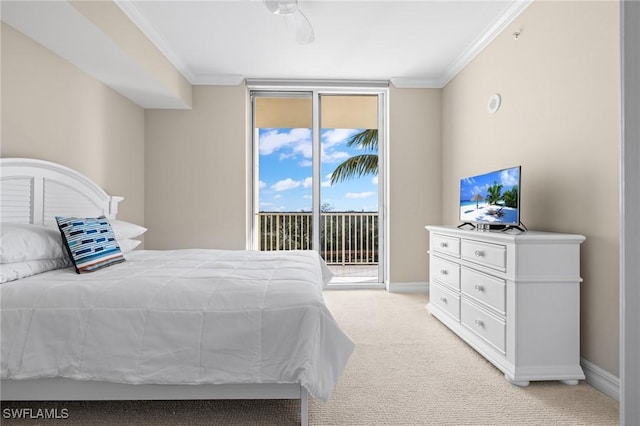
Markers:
<point>181,317</point>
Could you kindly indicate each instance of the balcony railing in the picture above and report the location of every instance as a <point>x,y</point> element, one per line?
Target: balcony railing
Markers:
<point>346,238</point>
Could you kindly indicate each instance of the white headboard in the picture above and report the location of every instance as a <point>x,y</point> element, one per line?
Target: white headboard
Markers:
<point>35,191</point>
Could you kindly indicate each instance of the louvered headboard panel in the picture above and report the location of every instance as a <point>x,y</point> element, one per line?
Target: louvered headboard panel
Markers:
<point>35,191</point>
<point>16,196</point>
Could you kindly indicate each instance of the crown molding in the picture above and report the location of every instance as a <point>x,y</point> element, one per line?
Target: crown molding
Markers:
<point>218,79</point>
<point>512,11</point>
<point>416,83</point>
<point>149,31</point>
<point>311,84</point>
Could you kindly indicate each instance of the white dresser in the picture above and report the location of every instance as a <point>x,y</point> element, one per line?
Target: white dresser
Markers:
<point>514,298</point>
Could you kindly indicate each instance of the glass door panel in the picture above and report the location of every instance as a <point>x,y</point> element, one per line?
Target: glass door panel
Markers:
<point>316,166</point>
<point>349,222</point>
<point>283,149</point>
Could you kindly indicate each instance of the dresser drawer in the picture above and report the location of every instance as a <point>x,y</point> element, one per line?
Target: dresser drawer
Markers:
<point>484,288</point>
<point>445,244</point>
<point>483,324</point>
<point>491,255</point>
<point>445,300</point>
<point>445,271</point>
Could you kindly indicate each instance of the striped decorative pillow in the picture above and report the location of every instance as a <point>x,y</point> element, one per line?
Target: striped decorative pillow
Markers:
<point>91,242</point>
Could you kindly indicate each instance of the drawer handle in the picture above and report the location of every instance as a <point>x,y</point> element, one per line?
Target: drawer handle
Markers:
<point>444,245</point>
<point>444,271</point>
<point>479,323</point>
<point>479,288</point>
<point>443,299</point>
<point>479,253</point>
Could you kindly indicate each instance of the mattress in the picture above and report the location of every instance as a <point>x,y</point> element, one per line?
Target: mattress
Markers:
<point>178,317</point>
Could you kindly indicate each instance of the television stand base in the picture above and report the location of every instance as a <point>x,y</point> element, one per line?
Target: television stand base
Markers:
<point>516,227</point>
<point>467,223</point>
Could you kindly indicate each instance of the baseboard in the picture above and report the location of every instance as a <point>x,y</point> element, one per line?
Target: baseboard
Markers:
<point>408,287</point>
<point>600,379</point>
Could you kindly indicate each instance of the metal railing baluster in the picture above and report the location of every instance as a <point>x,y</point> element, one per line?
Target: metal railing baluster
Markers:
<point>348,238</point>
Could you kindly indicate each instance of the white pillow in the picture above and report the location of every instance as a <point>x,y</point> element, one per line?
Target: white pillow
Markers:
<point>22,242</point>
<point>17,270</point>
<point>125,230</point>
<point>128,245</point>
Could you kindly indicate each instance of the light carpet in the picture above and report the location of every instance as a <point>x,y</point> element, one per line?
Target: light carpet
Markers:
<point>407,369</point>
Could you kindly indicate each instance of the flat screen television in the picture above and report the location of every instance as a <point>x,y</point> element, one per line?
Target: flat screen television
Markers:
<point>491,198</point>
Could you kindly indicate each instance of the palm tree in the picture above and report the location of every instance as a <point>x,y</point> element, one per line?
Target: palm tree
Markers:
<point>494,193</point>
<point>510,197</point>
<point>359,165</point>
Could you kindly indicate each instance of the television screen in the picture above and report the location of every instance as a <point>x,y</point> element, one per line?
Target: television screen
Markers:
<point>492,197</point>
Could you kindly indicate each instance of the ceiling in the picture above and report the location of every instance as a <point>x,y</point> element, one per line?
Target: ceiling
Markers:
<point>418,43</point>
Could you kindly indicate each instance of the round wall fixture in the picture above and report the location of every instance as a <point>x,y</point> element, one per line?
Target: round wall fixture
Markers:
<point>494,103</point>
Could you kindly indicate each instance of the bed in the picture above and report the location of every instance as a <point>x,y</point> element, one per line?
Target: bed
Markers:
<point>170,324</point>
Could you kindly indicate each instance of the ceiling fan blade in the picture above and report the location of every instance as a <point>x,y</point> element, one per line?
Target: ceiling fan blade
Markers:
<point>302,27</point>
<point>282,7</point>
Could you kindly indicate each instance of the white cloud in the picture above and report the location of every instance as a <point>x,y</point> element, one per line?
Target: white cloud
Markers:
<point>359,194</point>
<point>274,140</point>
<point>329,156</point>
<point>285,185</point>
<point>277,196</point>
<point>285,156</point>
<point>479,189</point>
<point>262,184</point>
<point>325,183</point>
<point>303,147</point>
<point>509,179</point>
<point>374,180</point>
<point>336,136</point>
<point>332,139</point>
<point>307,183</point>
<point>297,143</point>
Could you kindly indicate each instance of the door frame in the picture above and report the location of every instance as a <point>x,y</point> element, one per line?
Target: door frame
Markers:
<point>629,205</point>
<point>317,89</point>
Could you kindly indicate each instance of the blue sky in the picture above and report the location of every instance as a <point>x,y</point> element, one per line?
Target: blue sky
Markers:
<point>479,184</point>
<point>285,172</point>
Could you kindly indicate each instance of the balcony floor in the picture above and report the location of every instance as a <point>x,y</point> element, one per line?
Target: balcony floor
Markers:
<point>354,273</point>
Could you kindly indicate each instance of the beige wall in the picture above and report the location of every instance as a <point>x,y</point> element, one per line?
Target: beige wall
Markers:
<point>415,179</point>
<point>560,120</point>
<point>196,172</point>
<point>53,111</point>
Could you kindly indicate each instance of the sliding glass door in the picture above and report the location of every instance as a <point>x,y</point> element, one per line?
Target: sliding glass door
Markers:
<point>283,171</point>
<point>349,194</point>
<point>317,169</point>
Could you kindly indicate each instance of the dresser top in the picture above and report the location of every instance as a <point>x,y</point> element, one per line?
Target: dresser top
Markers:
<point>507,236</point>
